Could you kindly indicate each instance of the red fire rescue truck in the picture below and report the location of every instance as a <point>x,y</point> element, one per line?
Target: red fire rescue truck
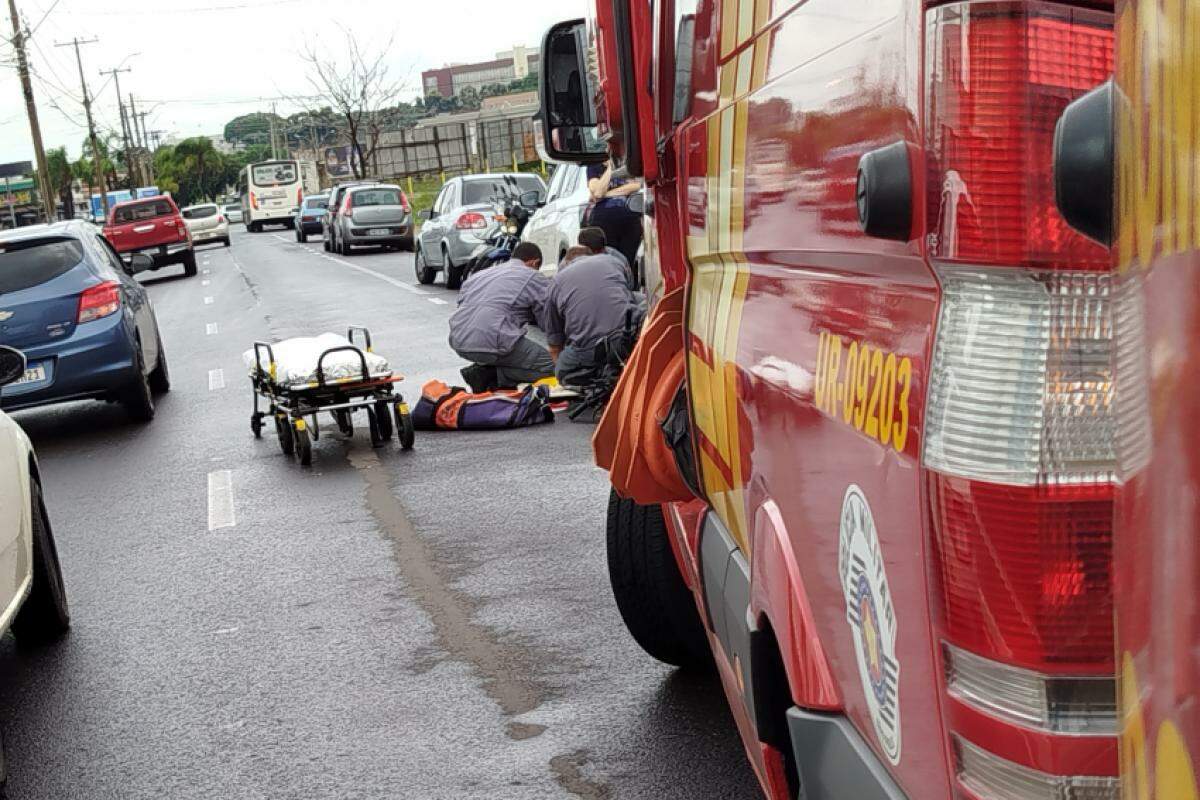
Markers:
<point>1156,142</point>
<point>867,453</point>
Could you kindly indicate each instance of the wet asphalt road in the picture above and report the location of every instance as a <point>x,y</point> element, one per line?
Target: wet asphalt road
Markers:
<point>433,624</point>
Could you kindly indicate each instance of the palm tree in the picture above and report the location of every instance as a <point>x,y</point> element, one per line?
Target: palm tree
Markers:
<point>62,177</point>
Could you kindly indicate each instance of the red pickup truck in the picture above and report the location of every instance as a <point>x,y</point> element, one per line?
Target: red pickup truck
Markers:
<point>154,226</point>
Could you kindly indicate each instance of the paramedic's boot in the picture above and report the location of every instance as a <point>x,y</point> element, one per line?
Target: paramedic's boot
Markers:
<point>480,378</point>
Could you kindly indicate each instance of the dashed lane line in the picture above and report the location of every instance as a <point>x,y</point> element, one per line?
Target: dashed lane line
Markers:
<point>210,329</point>
<point>437,301</point>
<point>216,379</point>
<point>220,500</point>
<point>208,301</point>
<point>205,283</point>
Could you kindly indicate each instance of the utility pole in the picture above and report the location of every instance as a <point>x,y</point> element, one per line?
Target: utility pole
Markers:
<point>125,138</point>
<point>97,167</point>
<point>143,140</point>
<point>35,128</point>
<point>274,152</point>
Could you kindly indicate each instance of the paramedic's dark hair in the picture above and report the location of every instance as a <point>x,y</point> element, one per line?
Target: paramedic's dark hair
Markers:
<point>593,239</point>
<point>527,251</point>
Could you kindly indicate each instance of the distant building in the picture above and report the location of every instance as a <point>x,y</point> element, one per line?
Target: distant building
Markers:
<point>508,66</point>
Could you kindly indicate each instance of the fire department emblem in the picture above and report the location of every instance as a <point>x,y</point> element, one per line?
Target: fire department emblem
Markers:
<point>872,618</point>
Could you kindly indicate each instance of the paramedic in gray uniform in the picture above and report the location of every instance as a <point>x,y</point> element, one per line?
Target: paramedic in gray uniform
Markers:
<point>589,299</point>
<point>494,309</point>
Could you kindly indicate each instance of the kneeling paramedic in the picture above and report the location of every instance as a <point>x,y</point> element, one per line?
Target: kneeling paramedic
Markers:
<point>494,308</point>
<point>589,300</point>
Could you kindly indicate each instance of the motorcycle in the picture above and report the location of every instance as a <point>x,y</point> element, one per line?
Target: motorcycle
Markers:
<point>505,234</point>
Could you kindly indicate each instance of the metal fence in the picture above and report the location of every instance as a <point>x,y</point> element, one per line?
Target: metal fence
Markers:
<point>455,148</point>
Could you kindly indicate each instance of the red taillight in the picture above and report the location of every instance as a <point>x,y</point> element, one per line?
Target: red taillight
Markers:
<point>471,222</point>
<point>99,301</point>
<point>300,196</point>
<point>220,218</point>
<point>404,203</point>
<point>253,201</point>
<point>1024,427</point>
<point>1026,572</point>
<point>346,205</point>
<point>1000,74</point>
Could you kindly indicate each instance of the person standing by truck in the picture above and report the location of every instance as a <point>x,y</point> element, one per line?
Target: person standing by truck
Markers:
<point>610,209</point>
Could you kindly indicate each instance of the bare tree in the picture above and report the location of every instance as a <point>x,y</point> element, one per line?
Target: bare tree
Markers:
<point>359,86</point>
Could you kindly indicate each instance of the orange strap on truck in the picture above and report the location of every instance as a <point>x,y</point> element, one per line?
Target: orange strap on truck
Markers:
<point>629,441</point>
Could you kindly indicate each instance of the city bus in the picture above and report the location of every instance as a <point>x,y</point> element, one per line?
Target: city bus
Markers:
<point>271,191</point>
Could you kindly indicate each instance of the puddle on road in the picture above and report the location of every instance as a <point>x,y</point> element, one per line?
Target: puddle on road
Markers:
<point>501,667</point>
<point>568,771</point>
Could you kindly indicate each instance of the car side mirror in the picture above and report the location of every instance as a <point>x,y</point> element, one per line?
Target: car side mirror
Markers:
<point>425,213</point>
<point>12,365</point>
<point>139,262</point>
<point>531,199</point>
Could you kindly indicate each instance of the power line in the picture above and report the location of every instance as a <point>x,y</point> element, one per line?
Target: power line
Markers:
<point>198,10</point>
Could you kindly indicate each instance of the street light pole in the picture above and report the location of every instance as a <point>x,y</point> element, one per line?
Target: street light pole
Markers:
<point>35,128</point>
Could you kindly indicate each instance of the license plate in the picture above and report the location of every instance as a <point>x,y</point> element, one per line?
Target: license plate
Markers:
<point>32,375</point>
<point>379,232</point>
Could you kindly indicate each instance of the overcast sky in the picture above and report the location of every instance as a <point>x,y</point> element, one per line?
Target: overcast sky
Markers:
<point>196,64</point>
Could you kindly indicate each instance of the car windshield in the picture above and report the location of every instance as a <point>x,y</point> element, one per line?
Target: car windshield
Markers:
<point>200,212</point>
<point>315,202</point>
<point>23,264</point>
<point>142,211</point>
<point>495,189</point>
<point>376,197</point>
<point>279,173</point>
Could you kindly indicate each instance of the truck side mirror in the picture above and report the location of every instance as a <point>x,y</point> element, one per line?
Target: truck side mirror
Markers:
<point>12,365</point>
<point>1084,153</point>
<point>568,112</point>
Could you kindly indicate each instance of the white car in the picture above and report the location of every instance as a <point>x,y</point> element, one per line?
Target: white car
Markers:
<point>207,223</point>
<point>233,212</point>
<point>33,602</point>
<point>555,226</point>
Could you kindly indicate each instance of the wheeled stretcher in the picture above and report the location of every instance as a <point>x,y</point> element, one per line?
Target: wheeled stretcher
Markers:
<point>299,379</point>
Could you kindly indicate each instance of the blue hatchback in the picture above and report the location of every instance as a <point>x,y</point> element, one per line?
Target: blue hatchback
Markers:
<point>87,328</point>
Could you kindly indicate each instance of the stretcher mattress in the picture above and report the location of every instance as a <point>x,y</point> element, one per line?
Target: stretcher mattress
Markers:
<point>296,361</point>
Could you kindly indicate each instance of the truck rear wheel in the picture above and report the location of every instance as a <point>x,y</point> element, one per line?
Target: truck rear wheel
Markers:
<point>654,602</point>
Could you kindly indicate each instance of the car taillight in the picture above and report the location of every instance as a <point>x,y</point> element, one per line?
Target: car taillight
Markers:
<point>300,196</point>
<point>404,203</point>
<point>99,301</point>
<point>253,201</point>
<point>220,218</point>
<point>471,222</point>
<point>346,205</point>
<point>1025,432</point>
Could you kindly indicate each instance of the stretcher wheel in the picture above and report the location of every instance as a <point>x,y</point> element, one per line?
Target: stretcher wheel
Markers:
<point>304,447</point>
<point>385,420</point>
<point>345,422</point>
<point>404,426</point>
<point>256,425</point>
<point>377,439</point>
<point>287,440</point>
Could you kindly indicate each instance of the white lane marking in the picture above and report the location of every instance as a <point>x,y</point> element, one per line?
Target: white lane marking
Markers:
<point>208,301</point>
<point>210,329</point>
<point>207,272</point>
<point>216,379</point>
<point>398,284</point>
<point>205,283</point>
<point>437,301</point>
<point>280,237</point>
<point>220,500</point>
